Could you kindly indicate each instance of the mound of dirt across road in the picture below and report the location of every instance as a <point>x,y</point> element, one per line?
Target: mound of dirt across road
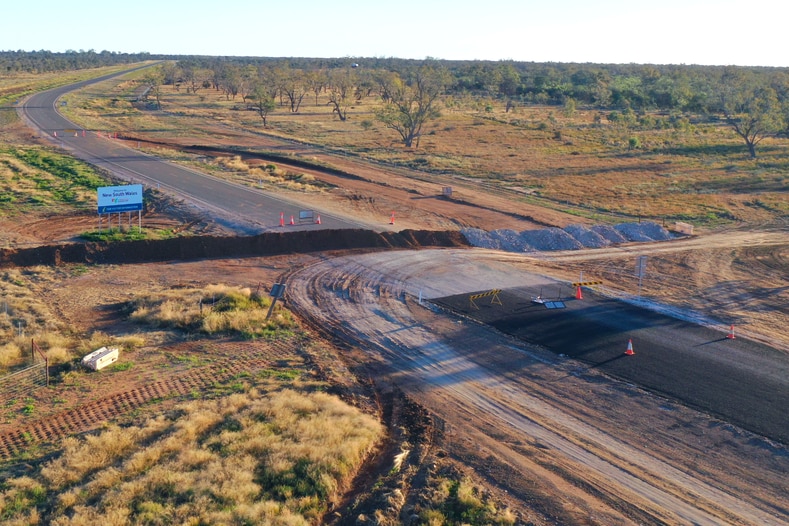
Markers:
<point>199,247</point>
<point>572,237</point>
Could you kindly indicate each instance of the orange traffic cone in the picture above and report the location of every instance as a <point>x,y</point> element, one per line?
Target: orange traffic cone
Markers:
<point>731,333</point>
<point>391,219</point>
<point>282,219</point>
<point>578,294</point>
<point>318,220</point>
<point>292,222</point>
<point>630,351</point>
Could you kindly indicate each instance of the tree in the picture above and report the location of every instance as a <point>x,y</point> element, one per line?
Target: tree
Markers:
<point>340,88</point>
<point>386,81</point>
<point>751,108</point>
<point>294,87</point>
<point>316,81</point>
<point>194,75</point>
<point>154,78</point>
<point>509,80</point>
<point>262,101</point>
<point>413,101</point>
<point>232,81</point>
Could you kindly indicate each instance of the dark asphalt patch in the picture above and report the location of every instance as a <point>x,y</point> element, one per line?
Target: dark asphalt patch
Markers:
<point>740,381</point>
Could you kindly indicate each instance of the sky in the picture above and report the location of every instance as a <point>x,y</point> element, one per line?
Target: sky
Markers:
<point>704,32</point>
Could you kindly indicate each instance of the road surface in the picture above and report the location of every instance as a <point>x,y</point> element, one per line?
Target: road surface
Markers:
<point>238,207</point>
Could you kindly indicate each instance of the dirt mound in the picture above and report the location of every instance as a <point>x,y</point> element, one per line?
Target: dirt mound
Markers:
<point>199,247</point>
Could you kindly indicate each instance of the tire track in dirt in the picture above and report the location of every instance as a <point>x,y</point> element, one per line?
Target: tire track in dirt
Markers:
<point>235,358</point>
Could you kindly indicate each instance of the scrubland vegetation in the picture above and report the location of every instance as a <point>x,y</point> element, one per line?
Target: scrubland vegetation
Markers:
<point>25,317</point>
<point>279,457</point>
<point>604,142</point>
<point>212,310</point>
<point>215,309</point>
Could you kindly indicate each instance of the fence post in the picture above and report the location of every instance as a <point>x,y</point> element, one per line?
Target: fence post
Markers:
<point>46,368</point>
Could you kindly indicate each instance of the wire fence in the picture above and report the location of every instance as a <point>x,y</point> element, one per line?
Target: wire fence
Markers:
<point>21,381</point>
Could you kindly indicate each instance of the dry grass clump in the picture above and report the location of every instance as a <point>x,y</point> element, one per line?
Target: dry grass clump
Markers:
<point>10,354</point>
<point>461,502</point>
<point>57,347</point>
<point>25,317</point>
<point>249,458</point>
<point>216,309</point>
<point>268,174</point>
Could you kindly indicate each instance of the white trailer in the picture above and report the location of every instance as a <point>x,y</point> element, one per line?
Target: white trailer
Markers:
<point>101,358</point>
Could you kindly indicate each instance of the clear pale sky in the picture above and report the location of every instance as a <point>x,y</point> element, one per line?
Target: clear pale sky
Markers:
<point>710,32</point>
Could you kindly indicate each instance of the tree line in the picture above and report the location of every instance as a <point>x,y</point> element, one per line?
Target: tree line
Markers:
<point>12,62</point>
<point>753,101</point>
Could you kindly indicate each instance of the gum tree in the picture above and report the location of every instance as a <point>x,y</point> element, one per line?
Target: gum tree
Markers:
<point>412,101</point>
<point>750,107</point>
<point>262,101</point>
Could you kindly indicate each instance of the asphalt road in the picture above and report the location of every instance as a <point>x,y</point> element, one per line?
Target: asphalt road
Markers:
<point>241,208</point>
<point>738,380</point>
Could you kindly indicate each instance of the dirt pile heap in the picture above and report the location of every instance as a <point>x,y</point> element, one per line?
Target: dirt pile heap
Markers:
<point>572,237</point>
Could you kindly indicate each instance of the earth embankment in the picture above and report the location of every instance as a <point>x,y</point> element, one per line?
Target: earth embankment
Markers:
<point>199,247</point>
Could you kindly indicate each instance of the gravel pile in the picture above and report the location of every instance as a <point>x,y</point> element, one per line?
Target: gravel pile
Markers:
<point>573,237</point>
<point>609,233</point>
<point>480,238</point>
<point>510,240</point>
<point>641,232</point>
<point>550,239</point>
<point>586,236</point>
<point>655,231</point>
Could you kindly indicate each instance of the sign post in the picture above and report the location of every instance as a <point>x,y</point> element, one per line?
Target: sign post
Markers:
<point>277,291</point>
<point>126,198</point>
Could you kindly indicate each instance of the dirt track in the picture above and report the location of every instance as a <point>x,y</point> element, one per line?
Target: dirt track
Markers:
<point>612,452</point>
